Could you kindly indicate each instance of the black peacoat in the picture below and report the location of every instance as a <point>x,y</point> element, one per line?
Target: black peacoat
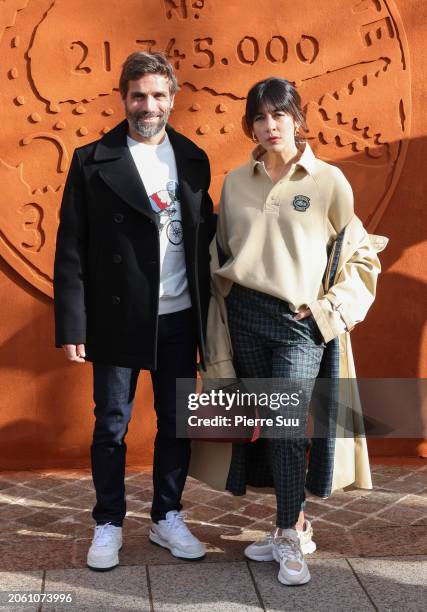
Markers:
<point>107,262</point>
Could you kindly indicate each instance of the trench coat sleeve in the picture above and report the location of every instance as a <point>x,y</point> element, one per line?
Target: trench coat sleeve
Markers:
<point>219,352</point>
<point>70,259</point>
<point>346,303</point>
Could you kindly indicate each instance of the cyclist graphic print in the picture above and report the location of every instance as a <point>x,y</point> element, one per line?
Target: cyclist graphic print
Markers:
<point>166,204</point>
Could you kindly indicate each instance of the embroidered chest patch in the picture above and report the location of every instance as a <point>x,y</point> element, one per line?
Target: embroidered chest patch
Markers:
<point>301,202</point>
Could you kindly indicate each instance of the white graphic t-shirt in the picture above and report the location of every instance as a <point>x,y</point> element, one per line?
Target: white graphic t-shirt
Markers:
<point>157,168</point>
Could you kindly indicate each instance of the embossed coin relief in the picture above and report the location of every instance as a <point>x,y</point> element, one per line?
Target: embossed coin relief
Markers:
<point>62,58</point>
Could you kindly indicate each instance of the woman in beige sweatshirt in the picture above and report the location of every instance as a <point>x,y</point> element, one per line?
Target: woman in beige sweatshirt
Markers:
<point>278,215</point>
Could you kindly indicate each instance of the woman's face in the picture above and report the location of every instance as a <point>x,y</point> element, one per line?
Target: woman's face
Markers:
<point>274,129</point>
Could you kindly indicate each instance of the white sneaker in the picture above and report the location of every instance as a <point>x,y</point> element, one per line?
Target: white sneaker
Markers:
<point>287,551</point>
<point>103,554</point>
<point>173,533</point>
<point>262,550</point>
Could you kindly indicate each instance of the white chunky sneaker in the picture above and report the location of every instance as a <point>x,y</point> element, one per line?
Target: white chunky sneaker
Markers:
<point>103,554</point>
<point>287,551</point>
<point>173,533</point>
<point>262,550</point>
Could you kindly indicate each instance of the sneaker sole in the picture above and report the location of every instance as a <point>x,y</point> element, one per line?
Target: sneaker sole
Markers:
<point>101,569</point>
<point>307,549</point>
<point>96,568</point>
<point>179,554</point>
<point>266,557</point>
<point>287,582</point>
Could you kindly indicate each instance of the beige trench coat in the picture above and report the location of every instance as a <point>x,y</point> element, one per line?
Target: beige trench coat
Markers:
<point>342,306</point>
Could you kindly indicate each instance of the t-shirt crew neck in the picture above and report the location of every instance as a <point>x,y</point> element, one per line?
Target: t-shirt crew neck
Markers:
<point>156,166</point>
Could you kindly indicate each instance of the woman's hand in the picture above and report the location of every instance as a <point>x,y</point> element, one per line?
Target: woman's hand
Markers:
<point>303,314</point>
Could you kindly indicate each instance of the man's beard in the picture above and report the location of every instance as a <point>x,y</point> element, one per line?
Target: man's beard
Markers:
<point>148,130</point>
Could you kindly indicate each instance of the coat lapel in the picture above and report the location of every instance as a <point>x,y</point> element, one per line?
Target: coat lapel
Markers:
<point>119,172</point>
<point>187,156</point>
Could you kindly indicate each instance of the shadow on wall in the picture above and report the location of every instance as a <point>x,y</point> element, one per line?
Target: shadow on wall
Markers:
<point>388,344</point>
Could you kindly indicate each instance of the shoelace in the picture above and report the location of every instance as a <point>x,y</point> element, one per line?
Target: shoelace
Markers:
<point>288,548</point>
<point>177,522</point>
<point>103,534</point>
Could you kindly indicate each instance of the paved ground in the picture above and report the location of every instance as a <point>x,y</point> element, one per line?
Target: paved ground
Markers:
<point>372,547</point>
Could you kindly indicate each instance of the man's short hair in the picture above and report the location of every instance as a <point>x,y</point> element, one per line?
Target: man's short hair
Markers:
<point>140,63</point>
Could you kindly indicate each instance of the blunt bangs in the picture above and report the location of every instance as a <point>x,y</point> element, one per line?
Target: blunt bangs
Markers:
<point>273,94</point>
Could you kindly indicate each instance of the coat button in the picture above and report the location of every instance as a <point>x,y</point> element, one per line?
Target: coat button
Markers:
<point>116,300</point>
<point>117,258</point>
<point>118,218</point>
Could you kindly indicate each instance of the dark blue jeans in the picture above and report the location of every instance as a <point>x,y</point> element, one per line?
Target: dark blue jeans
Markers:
<point>114,392</point>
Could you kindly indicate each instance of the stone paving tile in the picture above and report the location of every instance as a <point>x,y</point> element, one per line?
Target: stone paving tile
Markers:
<point>378,480</point>
<point>225,543</point>
<point>125,588</point>
<point>263,526</point>
<point>395,583</point>
<point>203,513</point>
<point>340,498</point>
<point>19,581</point>
<point>5,484</point>
<point>31,553</point>
<point>415,501</point>
<point>343,517</point>
<point>370,522</point>
<point>63,508</point>
<point>199,588</point>
<point>41,519</point>
<point>401,514</point>
<point>333,586</point>
<point>407,485</point>
<point>16,494</point>
<point>257,511</point>
<point>14,511</point>
<point>367,505</point>
<point>228,502</point>
<point>235,520</point>
<point>71,489</point>
<point>46,499</point>
<point>394,471</point>
<point>201,495</point>
<point>337,542</point>
<point>47,483</point>
<point>20,476</point>
<point>141,493</point>
<point>133,527</point>
<point>403,487</point>
<point>69,529</point>
<point>313,508</point>
<point>395,540</point>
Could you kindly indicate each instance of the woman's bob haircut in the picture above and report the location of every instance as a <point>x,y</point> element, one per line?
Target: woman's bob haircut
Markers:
<point>273,93</point>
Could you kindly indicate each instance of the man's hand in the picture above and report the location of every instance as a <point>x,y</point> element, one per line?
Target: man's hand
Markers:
<point>75,352</point>
<point>303,314</point>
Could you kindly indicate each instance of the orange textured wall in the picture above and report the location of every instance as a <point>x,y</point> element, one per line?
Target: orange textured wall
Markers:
<point>359,66</point>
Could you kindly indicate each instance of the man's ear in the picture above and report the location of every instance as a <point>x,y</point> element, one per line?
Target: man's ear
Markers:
<point>172,100</point>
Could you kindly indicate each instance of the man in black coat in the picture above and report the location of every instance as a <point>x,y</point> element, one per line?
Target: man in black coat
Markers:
<point>132,290</point>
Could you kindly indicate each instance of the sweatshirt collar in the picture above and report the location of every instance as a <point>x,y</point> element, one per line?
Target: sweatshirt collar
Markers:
<point>306,161</point>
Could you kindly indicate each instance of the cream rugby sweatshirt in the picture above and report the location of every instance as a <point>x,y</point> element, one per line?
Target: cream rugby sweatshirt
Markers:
<point>276,235</point>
